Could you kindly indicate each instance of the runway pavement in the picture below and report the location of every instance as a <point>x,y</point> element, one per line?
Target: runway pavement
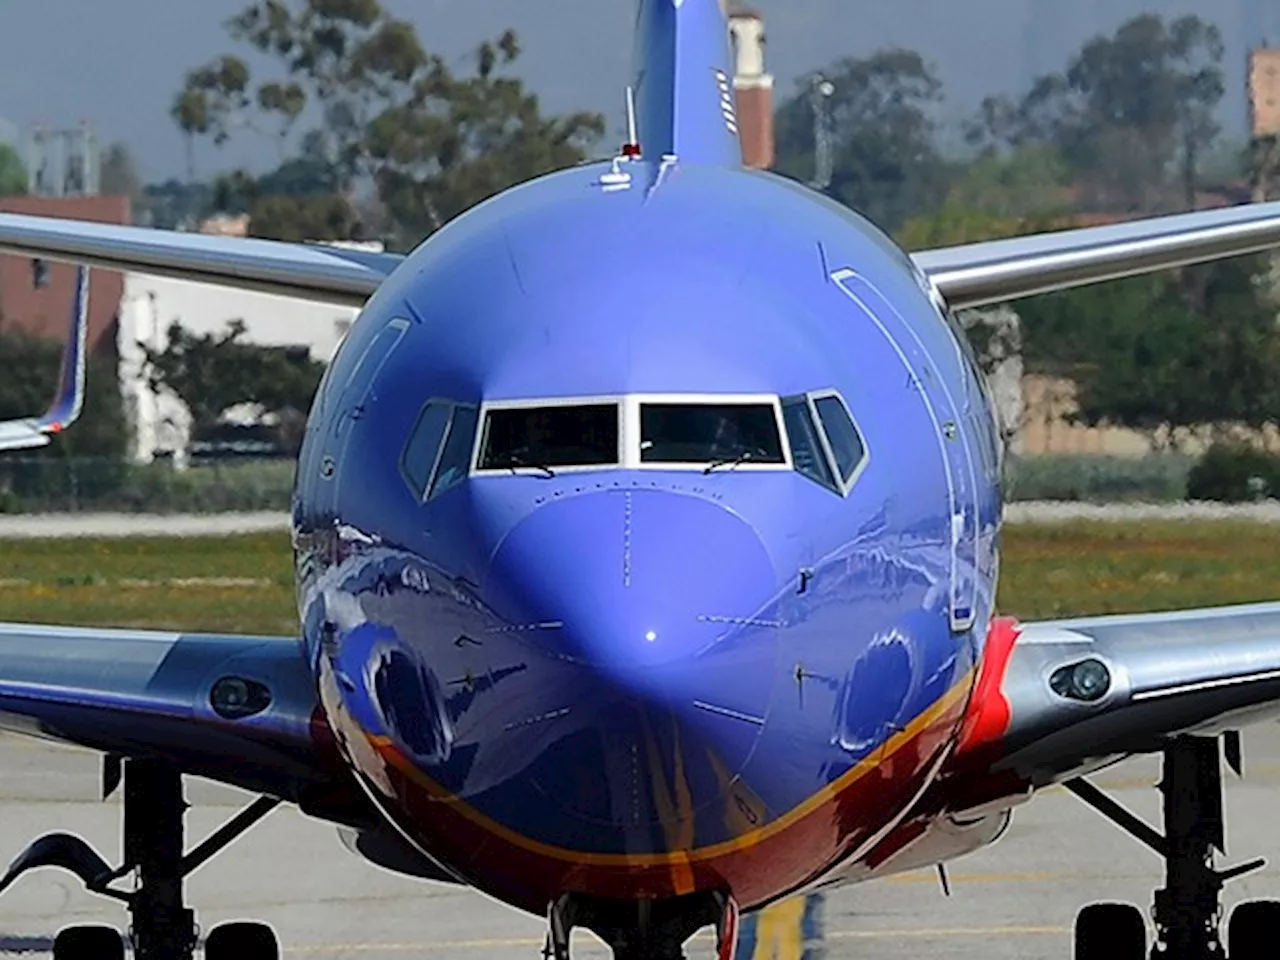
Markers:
<point>1014,900</point>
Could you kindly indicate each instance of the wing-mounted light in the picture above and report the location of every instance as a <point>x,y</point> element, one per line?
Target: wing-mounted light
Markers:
<point>68,400</point>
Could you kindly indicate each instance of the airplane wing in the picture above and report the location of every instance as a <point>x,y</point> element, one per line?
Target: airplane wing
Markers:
<point>1058,699</point>
<point>316,272</point>
<point>979,274</point>
<point>238,709</point>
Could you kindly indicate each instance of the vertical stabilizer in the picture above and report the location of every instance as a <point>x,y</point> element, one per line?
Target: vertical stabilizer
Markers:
<point>684,82</point>
<point>68,401</point>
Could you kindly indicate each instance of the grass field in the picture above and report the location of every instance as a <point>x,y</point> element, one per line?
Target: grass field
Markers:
<point>244,584</point>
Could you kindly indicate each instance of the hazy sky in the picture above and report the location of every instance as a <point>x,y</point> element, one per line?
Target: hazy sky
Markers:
<point>118,63</point>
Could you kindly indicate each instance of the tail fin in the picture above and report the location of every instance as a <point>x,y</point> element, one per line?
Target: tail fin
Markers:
<point>68,401</point>
<point>684,82</point>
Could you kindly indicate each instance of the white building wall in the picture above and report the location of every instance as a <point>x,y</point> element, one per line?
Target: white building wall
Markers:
<point>160,423</point>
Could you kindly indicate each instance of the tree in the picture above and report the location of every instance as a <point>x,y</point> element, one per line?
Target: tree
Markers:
<point>955,224</point>
<point>1030,181</point>
<point>120,173</point>
<point>430,142</point>
<point>13,172</point>
<point>1165,350</point>
<point>887,165</point>
<point>211,373</point>
<point>1129,112</point>
<point>297,202</point>
<point>174,205</point>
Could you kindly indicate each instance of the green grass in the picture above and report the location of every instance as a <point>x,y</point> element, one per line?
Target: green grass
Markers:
<point>244,584</point>
<point>1087,568</point>
<point>237,584</point>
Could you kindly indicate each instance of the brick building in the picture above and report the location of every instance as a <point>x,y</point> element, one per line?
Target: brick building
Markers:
<point>45,308</point>
<point>754,87</point>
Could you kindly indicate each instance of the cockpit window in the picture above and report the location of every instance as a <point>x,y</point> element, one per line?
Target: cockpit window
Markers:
<point>438,453</point>
<point>423,449</point>
<point>807,453</point>
<point>712,433</point>
<point>846,444</point>
<point>549,437</point>
<point>455,458</point>
<point>826,446</point>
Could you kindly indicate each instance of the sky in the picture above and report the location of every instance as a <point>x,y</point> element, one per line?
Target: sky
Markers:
<point>118,64</point>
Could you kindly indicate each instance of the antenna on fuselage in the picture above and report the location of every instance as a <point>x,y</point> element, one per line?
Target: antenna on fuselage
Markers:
<point>631,149</point>
<point>617,178</point>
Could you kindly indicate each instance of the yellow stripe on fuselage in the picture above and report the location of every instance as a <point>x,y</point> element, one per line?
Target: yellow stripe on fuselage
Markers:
<point>681,858</point>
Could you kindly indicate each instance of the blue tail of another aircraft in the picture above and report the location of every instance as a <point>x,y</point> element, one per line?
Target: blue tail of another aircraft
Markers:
<point>684,83</point>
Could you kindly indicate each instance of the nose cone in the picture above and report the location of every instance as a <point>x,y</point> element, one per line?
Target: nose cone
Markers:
<point>637,580</point>
<point>660,602</point>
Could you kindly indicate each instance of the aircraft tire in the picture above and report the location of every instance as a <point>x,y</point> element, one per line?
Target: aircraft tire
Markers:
<point>242,941</point>
<point>1252,930</point>
<point>88,942</point>
<point>1111,931</point>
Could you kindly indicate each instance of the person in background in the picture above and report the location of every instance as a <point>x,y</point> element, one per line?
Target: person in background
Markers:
<point>790,930</point>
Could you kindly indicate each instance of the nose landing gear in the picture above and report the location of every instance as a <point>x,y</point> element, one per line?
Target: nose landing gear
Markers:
<point>646,929</point>
<point>1188,910</point>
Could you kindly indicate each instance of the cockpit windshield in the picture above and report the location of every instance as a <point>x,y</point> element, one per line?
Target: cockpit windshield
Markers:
<point>710,433</point>
<point>546,437</point>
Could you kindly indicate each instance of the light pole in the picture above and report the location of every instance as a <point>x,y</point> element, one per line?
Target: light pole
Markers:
<point>821,90</point>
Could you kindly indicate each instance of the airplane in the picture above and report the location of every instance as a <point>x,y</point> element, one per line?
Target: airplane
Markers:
<point>646,537</point>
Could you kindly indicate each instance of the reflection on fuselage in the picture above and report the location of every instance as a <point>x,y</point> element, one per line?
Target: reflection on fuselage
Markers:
<point>660,637</point>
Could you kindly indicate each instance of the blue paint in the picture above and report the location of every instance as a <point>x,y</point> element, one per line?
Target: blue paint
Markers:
<point>562,290</point>
<point>684,95</point>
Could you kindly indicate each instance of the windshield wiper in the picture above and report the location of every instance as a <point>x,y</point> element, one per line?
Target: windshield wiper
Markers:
<point>514,460</point>
<point>732,462</point>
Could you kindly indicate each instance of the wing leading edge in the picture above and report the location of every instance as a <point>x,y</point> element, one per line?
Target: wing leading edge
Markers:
<point>979,274</point>
<point>306,271</point>
<point>1163,675</point>
<point>238,709</point>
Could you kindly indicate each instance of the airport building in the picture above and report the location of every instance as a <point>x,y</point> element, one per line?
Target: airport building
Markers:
<point>149,306</point>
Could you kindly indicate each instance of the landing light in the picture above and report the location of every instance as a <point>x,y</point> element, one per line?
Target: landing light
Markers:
<point>1088,680</point>
<point>234,698</point>
<point>651,636</point>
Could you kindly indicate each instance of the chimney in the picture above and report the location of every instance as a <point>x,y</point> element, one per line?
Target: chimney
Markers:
<point>754,90</point>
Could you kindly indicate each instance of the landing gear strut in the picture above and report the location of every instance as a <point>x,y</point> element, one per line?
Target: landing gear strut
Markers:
<point>1188,910</point>
<point>154,807</point>
<point>162,926</point>
<point>644,930</point>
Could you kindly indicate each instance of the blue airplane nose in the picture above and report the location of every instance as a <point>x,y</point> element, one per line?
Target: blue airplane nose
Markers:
<point>636,580</point>
<point>661,603</point>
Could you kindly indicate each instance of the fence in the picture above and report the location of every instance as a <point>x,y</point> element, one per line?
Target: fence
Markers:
<point>67,484</point>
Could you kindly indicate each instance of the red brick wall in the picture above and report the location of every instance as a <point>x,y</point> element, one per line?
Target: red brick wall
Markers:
<point>47,312</point>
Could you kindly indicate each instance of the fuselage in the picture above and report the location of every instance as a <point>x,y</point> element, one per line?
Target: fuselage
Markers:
<point>721,637</point>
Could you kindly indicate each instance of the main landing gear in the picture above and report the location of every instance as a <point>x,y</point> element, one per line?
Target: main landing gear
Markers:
<point>645,929</point>
<point>162,927</point>
<point>1188,910</point>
